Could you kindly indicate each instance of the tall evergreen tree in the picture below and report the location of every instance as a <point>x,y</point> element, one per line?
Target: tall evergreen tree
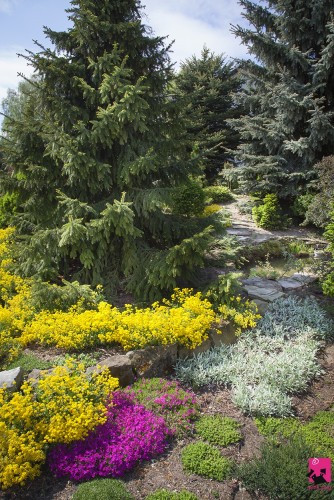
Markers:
<point>288,93</point>
<point>109,154</point>
<point>206,85</point>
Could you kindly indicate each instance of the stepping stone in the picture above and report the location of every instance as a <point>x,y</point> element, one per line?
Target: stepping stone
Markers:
<point>304,278</point>
<point>289,284</point>
<point>263,289</point>
<point>238,231</point>
<point>11,379</point>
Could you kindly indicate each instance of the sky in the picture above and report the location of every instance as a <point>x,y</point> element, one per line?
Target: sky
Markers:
<point>191,23</point>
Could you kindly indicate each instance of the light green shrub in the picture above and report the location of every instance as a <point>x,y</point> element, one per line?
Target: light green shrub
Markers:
<point>218,194</point>
<point>218,430</point>
<point>269,214</point>
<point>205,460</point>
<point>102,489</point>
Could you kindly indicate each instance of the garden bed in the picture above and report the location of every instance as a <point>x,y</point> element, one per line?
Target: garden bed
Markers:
<point>166,471</point>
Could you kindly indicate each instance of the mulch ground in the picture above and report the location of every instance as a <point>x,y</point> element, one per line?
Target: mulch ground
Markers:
<point>166,471</point>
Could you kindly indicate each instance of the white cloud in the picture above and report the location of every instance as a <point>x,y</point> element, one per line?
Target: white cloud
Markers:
<point>193,23</point>
<point>7,5</point>
<point>10,66</point>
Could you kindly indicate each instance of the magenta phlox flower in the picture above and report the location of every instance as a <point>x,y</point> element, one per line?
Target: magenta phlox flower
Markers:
<point>131,434</point>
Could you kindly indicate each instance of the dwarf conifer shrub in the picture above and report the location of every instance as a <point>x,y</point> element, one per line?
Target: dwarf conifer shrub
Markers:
<point>268,215</point>
<point>102,489</point>
<point>205,460</point>
<point>189,199</point>
<point>218,194</point>
<point>218,430</point>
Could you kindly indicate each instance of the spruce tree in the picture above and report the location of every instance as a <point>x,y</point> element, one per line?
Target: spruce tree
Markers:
<point>206,85</point>
<point>109,154</point>
<point>288,93</point>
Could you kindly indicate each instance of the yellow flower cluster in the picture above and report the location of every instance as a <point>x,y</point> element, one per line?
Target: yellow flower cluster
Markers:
<point>15,311</point>
<point>63,407</point>
<point>211,209</point>
<point>244,314</point>
<point>185,319</point>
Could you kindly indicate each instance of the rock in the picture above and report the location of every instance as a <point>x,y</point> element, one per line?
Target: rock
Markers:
<point>238,231</point>
<point>263,289</point>
<point>289,284</point>
<point>304,278</point>
<point>184,352</point>
<point>11,379</point>
<point>262,306</point>
<point>153,361</point>
<point>119,366</point>
<point>226,335</point>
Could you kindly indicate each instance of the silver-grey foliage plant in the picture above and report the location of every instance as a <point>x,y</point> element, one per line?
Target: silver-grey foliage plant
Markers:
<point>269,363</point>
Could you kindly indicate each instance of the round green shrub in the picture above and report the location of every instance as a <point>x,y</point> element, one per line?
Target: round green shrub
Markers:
<point>218,430</point>
<point>188,200</point>
<point>102,489</point>
<point>205,460</point>
<point>169,495</point>
<point>218,194</point>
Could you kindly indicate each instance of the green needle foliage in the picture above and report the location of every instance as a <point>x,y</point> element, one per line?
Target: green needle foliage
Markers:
<point>288,93</point>
<point>94,147</point>
<point>205,86</point>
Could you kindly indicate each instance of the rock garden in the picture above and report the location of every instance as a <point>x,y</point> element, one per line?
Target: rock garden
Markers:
<point>167,263</point>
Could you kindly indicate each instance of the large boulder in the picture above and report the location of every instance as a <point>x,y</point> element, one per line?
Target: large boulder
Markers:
<point>185,352</point>
<point>153,361</point>
<point>119,366</point>
<point>11,379</point>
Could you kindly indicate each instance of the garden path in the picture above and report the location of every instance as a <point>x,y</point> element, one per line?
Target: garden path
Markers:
<point>245,230</point>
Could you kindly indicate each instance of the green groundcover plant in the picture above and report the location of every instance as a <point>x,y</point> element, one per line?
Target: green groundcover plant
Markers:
<point>281,472</point>
<point>268,364</point>
<point>318,433</point>
<point>205,460</point>
<point>218,430</point>
<point>102,489</point>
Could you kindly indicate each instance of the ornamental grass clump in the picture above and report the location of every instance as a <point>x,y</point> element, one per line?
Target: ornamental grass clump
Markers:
<point>130,434</point>
<point>63,406</point>
<point>268,364</point>
<point>167,399</point>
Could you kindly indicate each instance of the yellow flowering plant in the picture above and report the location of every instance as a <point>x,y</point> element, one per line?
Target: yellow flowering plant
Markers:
<point>61,407</point>
<point>243,313</point>
<point>185,319</point>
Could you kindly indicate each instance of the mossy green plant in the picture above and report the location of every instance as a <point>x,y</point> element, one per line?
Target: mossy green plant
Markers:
<point>205,460</point>
<point>102,489</point>
<point>28,362</point>
<point>318,433</point>
<point>218,430</point>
